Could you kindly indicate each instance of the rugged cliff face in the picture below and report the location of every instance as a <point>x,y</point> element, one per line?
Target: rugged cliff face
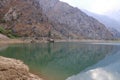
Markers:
<point>39,17</point>
<point>111,24</point>
<point>72,21</point>
<point>23,17</point>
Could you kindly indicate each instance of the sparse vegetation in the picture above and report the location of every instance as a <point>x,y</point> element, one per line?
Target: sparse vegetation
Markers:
<point>8,33</point>
<point>2,21</point>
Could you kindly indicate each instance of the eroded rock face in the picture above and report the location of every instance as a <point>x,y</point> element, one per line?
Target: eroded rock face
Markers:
<point>24,18</point>
<point>12,14</point>
<point>36,18</point>
<point>11,69</point>
<point>71,21</point>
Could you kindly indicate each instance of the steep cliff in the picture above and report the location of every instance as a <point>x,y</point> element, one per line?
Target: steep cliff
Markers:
<point>111,24</point>
<point>36,18</point>
<point>23,17</point>
<point>71,21</point>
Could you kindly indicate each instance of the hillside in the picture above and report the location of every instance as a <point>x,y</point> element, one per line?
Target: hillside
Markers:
<point>37,18</point>
<point>106,20</point>
<point>111,24</point>
<point>23,17</point>
<point>114,14</point>
<point>115,32</point>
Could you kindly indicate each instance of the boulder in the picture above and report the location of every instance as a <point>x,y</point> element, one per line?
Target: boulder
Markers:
<point>11,69</point>
<point>3,36</point>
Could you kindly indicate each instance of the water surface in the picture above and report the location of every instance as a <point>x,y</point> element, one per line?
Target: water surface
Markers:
<point>68,60</point>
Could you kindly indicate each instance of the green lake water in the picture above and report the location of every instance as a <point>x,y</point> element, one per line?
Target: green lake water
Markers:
<point>67,60</point>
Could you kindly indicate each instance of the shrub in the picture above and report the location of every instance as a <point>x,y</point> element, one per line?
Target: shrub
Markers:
<point>8,33</point>
<point>2,30</point>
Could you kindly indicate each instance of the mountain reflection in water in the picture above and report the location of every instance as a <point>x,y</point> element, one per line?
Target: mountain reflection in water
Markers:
<point>106,69</point>
<point>59,61</point>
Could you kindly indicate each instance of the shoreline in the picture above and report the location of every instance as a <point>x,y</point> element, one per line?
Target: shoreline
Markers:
<point>20,41</point>
<point>16,41</point>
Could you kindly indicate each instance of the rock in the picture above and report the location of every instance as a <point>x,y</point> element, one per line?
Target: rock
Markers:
<point>12,14</point>
<point>64,21</point>
<point>20,17</point>
<point>115,32</point>
<point>3,37</point>
<point>51,40</point>
<point>11,69</point>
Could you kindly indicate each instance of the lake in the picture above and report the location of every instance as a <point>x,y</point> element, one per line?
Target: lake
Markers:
<point>68,60</point>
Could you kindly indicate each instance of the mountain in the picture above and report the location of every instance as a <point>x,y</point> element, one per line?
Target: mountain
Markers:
<point>112,25</point>
<point>36,18</point>
<point>106,20</point>
<point>115,32</point>
<point>23,17</point>
<point>73,20</point>
<point>115,14</point>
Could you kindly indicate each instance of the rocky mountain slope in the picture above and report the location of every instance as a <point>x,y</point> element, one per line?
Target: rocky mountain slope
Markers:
<point>106,20</point>
<point>112,25</point>
<point>114,14</point>
<point>115,32</point>
<point>73,20</point>
<point>23,17</point>
<point>36,18</point>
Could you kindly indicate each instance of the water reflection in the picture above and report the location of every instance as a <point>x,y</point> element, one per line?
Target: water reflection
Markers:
<point>60,60</point>
<point>106,69</point>
<point>3,46</point>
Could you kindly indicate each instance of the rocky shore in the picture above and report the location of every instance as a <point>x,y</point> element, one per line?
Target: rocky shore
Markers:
<point>11,69</point>
<point>3,36</point>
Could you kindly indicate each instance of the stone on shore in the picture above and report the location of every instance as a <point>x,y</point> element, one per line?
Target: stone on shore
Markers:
<point>11,69</point>
<point>3,37</point>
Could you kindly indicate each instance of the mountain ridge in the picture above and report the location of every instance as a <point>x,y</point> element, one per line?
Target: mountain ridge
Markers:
<point>65,14</point>
<point>36,18</point>
<point>111,24</point>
